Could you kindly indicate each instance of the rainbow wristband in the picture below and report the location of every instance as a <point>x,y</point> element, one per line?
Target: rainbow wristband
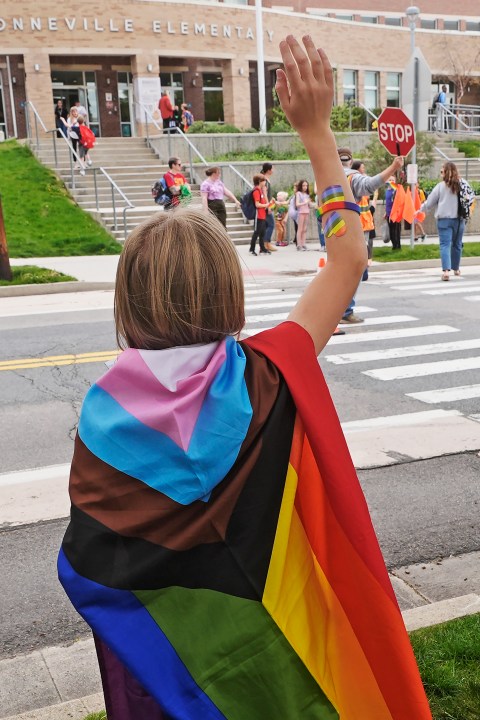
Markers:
<point>338,205</point>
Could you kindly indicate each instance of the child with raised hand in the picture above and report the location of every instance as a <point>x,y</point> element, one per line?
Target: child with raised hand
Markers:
<point>219,545</point>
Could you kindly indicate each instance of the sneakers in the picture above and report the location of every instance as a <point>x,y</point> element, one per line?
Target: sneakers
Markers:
<point>252,252</point>
<point>89,161</point>
<point>82,172</point>
<point>265,252</point>
<point>351,319</point>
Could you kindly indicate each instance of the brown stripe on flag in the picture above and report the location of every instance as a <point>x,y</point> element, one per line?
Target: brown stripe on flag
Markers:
<point>133,509</point>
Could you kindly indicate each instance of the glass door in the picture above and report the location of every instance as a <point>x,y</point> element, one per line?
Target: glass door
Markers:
<point>125,102</point>
<point>73,86</point>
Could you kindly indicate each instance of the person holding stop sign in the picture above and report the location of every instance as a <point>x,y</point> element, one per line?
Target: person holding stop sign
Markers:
<point>363,185</point>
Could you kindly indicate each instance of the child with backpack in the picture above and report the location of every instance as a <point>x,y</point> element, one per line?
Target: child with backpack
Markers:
<point>261,201</point>
<point>86,142</point>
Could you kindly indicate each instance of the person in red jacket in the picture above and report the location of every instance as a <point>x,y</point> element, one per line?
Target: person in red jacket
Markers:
<point>166,110</point>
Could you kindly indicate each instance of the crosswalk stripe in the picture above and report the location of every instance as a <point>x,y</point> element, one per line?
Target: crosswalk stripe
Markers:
<point>368,321</point>
<point>403,420</point>
<point>473,298</point>
<point>384,319</point>
<point>401,372</point>
<point>427,286</point>
<point>376,334</point>
<point>451,394</point>
<point>266,301</point>
<point>408,351</point>
<point>392,334</point>
<point>452,290</point>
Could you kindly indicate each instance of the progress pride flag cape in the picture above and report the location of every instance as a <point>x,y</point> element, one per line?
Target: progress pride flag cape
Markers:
<point>241,584</point>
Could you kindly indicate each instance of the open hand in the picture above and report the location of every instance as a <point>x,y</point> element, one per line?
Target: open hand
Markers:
<point>306,82</point>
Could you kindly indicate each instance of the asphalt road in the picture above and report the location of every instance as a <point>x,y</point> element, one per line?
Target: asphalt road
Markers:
<point>39,407</point>
<point>421,510</point>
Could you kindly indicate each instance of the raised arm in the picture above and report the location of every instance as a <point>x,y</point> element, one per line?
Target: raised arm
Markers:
<point>307,81</point>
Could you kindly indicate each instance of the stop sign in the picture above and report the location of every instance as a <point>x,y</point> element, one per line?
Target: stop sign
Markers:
<point>396,131</point>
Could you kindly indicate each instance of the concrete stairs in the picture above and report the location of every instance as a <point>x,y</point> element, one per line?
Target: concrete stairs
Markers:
<point>469,168</point>
<point>134,168</point>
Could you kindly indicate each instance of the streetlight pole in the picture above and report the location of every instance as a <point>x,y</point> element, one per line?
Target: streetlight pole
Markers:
<point>262,105</point>
<point>412,14</point>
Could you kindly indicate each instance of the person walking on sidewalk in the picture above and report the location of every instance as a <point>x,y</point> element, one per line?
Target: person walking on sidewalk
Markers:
<point>213,191</point>
<point>444,198</point>
<point>362,185</point>
<point>394,227</point>
<point>219,537</point>
<point>166,111</point>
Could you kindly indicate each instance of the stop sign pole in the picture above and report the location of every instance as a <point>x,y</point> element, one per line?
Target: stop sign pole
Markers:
<point>396,132</point>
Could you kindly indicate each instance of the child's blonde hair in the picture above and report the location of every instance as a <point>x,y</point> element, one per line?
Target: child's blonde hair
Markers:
<point>179,282</point>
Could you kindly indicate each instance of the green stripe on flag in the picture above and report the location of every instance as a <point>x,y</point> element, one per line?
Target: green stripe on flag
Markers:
<point>237,655</point>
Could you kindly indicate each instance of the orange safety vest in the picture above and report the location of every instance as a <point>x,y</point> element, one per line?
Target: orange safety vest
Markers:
<point>366,217</point>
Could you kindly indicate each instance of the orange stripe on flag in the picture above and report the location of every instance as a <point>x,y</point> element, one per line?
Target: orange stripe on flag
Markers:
<point>301,601</point>
<point>374,617</point>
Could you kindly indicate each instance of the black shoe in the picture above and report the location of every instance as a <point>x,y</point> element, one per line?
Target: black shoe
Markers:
<point>252,252</point>
<point>265,252</point>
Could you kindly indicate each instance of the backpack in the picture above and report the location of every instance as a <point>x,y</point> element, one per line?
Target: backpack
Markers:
<point>160,192</point>
<point>88,138</point>
<point>466,198</point>
<point>435,101</point>
<point>247,204</point>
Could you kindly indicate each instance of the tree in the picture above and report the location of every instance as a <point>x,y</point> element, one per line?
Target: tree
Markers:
<point>462,68</point>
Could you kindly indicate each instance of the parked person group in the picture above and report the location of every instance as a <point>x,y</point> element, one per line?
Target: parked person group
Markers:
<point>445,199</point>
<point>213,191</point>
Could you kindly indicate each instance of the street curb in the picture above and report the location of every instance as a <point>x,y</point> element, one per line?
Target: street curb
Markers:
<point>53,288</point>
<point>416,618</point>
<point>70,710</point>
<point>86,286</point>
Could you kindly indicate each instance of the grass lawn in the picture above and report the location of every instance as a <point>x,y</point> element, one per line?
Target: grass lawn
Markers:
<point>31,274</point>
<point>41,220</point>
<point>448,657</point>
<point>420,252</point>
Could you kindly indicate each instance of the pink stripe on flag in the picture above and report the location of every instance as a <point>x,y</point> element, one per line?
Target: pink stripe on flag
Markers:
<point>133,385</point>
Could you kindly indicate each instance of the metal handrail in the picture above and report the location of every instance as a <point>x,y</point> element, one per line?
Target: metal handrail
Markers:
<point>191,146</point>
<point>375,117</point>
<point>73,154</point>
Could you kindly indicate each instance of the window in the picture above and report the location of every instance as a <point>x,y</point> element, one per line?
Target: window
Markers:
<point>472,26</point>
<point>213,96</point>
<point>344,17</point>
<point>393,21</point>
<point>371,90</point>
<point>67,77</point>
<point>369,19</point>
<point>350,86</point>
<point>450,24</point>
<point>428,24</point>
<point>173,84</point>
<point>393,89</point>
<point>3,122</point>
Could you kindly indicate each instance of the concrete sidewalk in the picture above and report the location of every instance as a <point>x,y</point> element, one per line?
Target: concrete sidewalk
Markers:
<point>57,683</point>
<point>98,272</point>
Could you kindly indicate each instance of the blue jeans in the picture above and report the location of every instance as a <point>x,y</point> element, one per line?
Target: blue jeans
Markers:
<point>270,227</point>
<point>321,236</point>
<point>450,235</point>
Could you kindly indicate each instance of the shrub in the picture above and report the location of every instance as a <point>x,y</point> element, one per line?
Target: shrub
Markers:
<point>199,126</point>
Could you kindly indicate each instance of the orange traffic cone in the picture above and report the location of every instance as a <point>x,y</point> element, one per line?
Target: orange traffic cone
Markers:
<point>321,264</point>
